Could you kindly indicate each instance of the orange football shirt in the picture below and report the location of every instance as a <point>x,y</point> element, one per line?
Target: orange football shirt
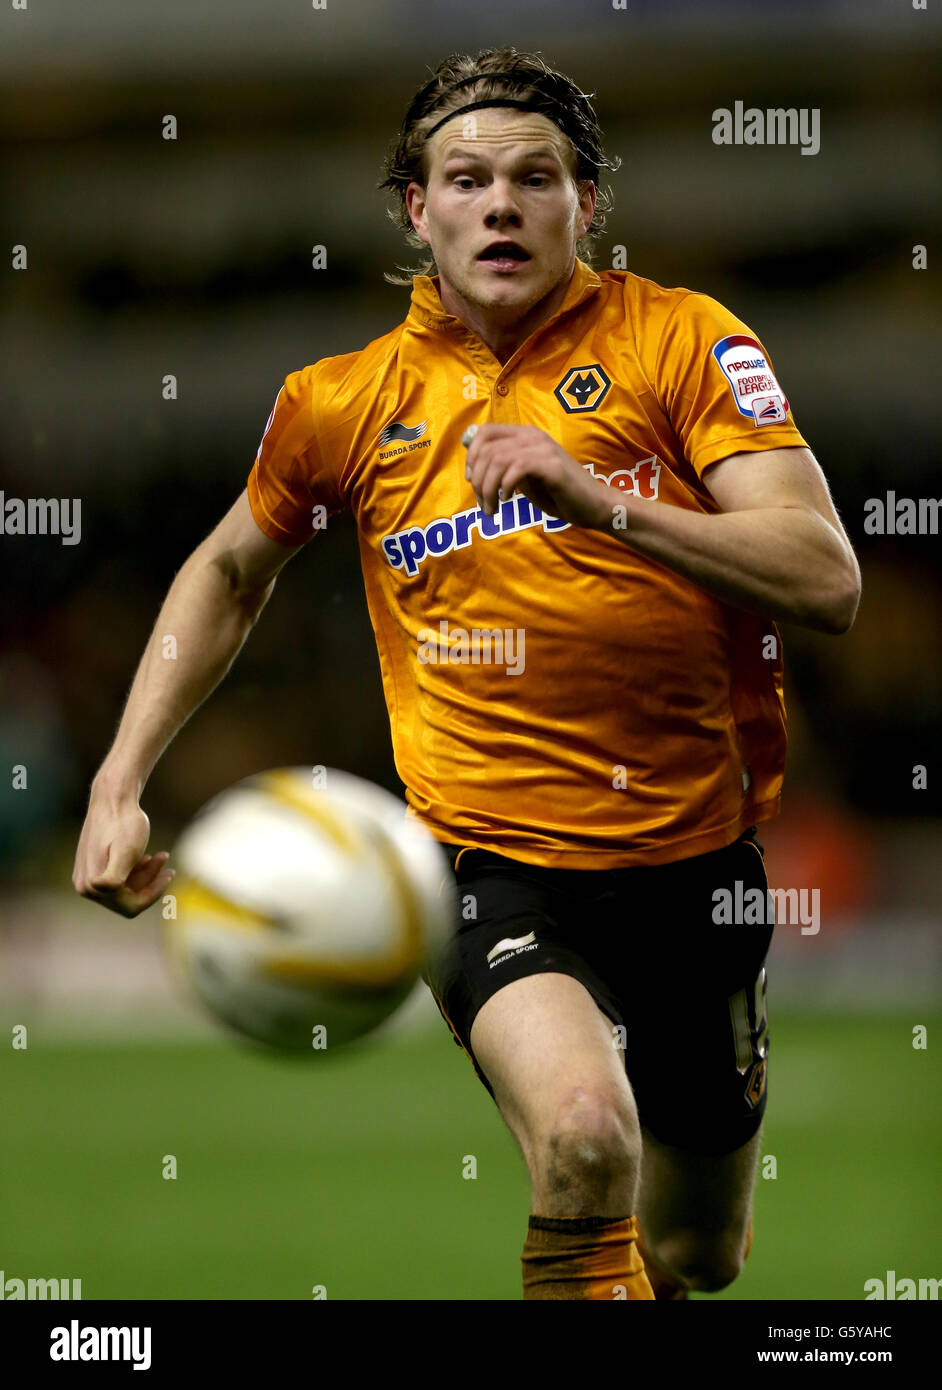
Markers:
<point>552,695</point>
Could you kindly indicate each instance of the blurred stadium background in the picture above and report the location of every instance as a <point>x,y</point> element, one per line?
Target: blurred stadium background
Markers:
<point>193,257</point>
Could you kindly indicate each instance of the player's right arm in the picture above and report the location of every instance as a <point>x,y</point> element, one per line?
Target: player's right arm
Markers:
<point>209,610</point>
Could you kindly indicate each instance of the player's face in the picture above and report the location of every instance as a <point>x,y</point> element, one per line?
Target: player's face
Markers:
<point>501,176</point>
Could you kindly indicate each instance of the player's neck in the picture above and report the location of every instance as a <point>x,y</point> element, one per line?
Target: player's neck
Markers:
<point>501,332</point>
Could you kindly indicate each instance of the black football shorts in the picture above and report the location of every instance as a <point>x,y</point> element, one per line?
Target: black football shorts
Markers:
<point>685,992</point>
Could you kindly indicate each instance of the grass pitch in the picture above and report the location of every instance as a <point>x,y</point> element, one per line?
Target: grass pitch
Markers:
<point>346,1171</point>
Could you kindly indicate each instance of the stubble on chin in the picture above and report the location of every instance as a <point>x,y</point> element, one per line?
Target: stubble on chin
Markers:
<point>518,304</point>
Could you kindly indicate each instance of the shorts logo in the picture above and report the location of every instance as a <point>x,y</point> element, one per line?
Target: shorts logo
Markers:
<point>511,945</point>
<point>397,430</point>
<point>583,388</point>
<point>755,1088</point>
<point>749,373</point>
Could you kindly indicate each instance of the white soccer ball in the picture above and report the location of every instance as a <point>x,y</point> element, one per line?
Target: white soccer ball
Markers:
<point>307,906</point>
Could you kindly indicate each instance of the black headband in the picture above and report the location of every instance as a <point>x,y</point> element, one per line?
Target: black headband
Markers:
<point>552,99</point>
<point>530,105</point>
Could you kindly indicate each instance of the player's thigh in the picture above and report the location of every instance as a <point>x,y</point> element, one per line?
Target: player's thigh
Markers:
<point>683,1192</point>
<point>549,1054</point>
<point>698,1036</point>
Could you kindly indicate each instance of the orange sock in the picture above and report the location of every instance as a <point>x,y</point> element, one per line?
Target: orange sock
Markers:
<point>583,1257</point>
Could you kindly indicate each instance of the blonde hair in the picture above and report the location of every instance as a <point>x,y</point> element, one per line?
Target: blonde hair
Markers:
<point>494,73</point>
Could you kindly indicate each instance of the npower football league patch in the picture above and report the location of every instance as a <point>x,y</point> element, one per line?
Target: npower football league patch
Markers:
<point>756,392</point>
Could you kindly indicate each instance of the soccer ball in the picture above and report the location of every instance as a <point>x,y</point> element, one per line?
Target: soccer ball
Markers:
<point>307,906</point>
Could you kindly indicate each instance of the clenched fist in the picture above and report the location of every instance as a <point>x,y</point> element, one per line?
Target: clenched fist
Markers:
<point>111,866</point>
<point>503,459</point>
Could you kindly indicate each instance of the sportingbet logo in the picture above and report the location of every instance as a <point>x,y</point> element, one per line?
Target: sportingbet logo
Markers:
<point>408,549</point>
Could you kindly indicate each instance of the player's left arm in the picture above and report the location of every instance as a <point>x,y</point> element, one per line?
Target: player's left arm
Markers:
<point>777,547</point>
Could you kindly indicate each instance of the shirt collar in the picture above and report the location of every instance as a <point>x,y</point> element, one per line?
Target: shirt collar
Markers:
<point>426,306</point>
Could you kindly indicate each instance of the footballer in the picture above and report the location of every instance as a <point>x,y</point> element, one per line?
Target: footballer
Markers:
<point>634,511</point>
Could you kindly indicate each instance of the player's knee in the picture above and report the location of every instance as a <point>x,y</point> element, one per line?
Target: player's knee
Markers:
<point>591,1140</point>
<point>705,1263</point>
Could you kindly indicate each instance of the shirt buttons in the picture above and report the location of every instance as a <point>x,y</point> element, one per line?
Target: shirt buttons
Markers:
<point>503,389</point>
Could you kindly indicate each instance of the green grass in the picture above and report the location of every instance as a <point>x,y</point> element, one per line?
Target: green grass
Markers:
<point>347,1171</point>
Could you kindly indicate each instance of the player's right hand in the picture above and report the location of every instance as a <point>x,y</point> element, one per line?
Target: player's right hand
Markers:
<point>111,866</point>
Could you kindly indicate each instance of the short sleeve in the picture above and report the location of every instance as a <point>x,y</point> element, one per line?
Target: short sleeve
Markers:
<point>716,383</point>
<point>290,479</point>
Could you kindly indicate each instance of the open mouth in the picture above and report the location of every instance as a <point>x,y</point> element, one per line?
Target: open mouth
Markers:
<point>504,255</point>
